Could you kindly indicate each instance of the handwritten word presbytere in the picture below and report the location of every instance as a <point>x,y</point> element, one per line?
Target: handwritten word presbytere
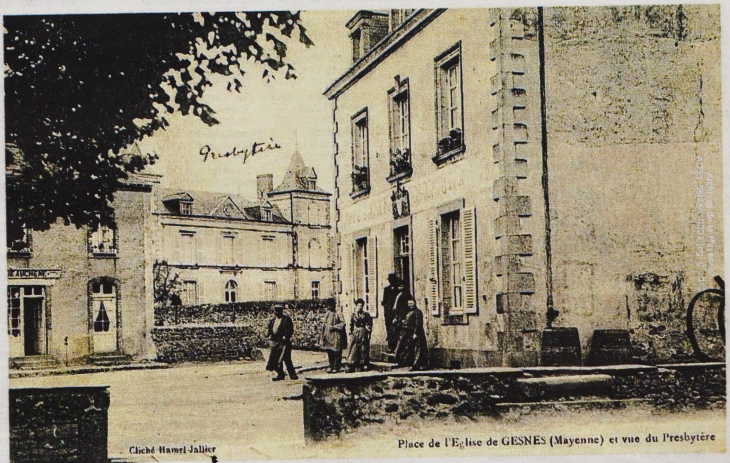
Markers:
<point>247,153</point>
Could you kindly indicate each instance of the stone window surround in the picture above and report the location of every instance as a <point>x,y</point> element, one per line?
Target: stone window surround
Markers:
<point>398,93</point>
<point>358,120</point>
<point>452,55</point>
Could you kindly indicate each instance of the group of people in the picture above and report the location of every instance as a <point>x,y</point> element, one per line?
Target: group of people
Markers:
<point>405,334</point>
<point>406,337</point>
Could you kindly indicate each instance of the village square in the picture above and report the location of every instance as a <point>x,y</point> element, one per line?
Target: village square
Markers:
<point>336,234</point>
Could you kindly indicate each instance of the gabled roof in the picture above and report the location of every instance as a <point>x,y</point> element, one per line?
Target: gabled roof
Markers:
<point>228,208</point>
<point>180,196</point>
<point>210,204</point>
<point>297,177</point>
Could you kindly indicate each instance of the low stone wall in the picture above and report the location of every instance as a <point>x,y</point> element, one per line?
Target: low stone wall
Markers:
<point>204,342</point>
<point>68,424</point>
<point>335,403</point>
<point>307,316</point>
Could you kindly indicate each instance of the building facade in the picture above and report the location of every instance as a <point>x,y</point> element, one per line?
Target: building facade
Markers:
<point>78,292</point>
<point>224,248</point>
<point>74,293</point>
<point>503,161</point>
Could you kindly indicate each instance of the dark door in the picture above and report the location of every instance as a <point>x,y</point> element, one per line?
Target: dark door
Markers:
<point>33,325</point>
<point>402,256</point>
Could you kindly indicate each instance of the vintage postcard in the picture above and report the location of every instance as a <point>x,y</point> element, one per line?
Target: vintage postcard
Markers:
<point>363,233</point>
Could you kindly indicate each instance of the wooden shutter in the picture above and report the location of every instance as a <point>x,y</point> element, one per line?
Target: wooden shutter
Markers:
<point>433,254</point>
<point>468,233</point>
<point>353,273</point>
<point>372,307</point>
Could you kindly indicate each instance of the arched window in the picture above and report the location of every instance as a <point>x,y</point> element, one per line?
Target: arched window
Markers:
<point>231,286</point>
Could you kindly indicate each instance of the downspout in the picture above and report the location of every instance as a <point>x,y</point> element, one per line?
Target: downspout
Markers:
<point>545,178</point>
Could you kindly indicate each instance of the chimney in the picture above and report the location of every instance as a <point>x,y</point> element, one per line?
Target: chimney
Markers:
<point>264,185</point>
<point>367,28</point>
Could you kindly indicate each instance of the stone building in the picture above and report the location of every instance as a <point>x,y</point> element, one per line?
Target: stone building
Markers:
<point>227,249</point>
<point>78,292</point>
<point>502,161</point>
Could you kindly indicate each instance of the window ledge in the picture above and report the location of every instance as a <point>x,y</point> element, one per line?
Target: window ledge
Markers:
<point>440,158</point>
<point>400,176</point>
<point>103,255</point>
<point>455,320</point>
<point>21,253</point>
<point>357,194</point>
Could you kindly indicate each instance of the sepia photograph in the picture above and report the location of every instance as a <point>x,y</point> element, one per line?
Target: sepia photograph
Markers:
<point>358,232</point>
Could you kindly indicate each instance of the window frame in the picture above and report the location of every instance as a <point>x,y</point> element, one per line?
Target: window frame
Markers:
<point>315,287</point>
<point>230,289</point>
<point>399,130</point>
<point>447,146</point>
<point>360,146</point>
<point>452,264</point>
<point>185,292</point>
<point>96,239</point>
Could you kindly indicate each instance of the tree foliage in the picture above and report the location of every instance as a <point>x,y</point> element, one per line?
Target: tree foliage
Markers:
<point>80,89</point>
<point>167,285</point>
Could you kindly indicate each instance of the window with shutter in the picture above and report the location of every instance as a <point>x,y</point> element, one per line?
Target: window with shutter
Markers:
<point>371,287</point>
<point>433,254</point>
<point>468,224</point>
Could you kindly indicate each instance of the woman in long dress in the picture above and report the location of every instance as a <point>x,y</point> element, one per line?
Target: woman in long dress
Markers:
<point>412,348</point>
<point>361,326</point>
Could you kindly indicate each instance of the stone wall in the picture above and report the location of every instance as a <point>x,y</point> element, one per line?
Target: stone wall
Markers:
<point>66,424</point>
<point>214,332</point>
<point>205,342</point>
<point>335,403</point>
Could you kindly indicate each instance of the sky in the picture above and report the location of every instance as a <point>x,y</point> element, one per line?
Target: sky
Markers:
<point>293,113</point>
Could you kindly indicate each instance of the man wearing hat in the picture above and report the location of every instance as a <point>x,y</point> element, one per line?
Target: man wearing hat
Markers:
<point>280,331</point>
<point>389,294</point>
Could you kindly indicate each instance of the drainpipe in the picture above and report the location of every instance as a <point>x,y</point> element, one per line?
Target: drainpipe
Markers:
<point>551,313</point>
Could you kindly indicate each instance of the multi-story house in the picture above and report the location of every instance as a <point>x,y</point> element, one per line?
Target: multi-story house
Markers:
<point>504,161</point>
<point>224,248</point>
<point>74,293</point>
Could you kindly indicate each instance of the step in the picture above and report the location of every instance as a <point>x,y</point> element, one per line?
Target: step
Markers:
<point>564,405</point>
<point>33,362</point>
<point>566,386</point>
<point>110,359</point>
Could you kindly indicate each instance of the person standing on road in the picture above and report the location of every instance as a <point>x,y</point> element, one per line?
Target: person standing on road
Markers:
<point>280,331</point>
<point>412,346</point>
<point>333,338</point>
<point>389,294</point>
<point>361,326</point>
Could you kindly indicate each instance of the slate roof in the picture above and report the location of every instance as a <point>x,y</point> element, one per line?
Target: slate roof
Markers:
<point>297,176</point>
<point>210,204</point>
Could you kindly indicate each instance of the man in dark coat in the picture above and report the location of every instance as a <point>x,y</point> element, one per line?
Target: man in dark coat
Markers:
<point>280,331</point>
<point>412,344</point>
<point>333,338</point>
<point>400,307</point>
<point>388,303</point>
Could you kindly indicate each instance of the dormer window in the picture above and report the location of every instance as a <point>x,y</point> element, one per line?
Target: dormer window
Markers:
<point>266,214</point>
<point>179,203</point>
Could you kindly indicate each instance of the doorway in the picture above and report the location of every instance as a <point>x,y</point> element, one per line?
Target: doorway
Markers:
<point>26,321</point>
<point>104,312</point>
<point>402,255</point>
